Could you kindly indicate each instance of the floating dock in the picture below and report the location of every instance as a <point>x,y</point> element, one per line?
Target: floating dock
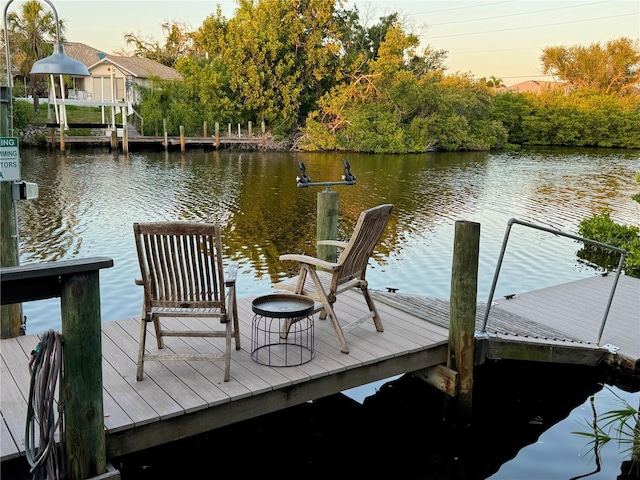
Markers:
<point>179,399</point>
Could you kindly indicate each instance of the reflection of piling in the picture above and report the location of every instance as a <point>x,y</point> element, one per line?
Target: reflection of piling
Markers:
<point>463,301</point>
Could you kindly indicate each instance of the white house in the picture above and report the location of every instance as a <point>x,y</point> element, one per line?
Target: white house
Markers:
<point>113,77</point>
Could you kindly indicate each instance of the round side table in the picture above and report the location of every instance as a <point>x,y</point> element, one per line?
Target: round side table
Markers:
<point>282,330</point>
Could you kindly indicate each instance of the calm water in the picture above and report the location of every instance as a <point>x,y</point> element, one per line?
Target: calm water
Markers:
<point>88,202</point>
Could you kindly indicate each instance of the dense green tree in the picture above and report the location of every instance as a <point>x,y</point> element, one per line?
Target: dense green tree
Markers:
<point>281,56</point>
<point>582,119</point>
<point>405,112</point>
<point>612,68</point>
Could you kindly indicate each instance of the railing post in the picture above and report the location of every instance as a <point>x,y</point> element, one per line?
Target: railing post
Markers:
<point>81,393</point>
<point>327,227</point>
<point>463,303</point>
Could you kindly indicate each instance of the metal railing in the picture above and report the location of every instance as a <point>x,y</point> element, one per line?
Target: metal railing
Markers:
<point>622,252</point>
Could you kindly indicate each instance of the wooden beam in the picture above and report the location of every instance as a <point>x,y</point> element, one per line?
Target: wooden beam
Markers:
<point>440,377</point>
<point>540,351</point>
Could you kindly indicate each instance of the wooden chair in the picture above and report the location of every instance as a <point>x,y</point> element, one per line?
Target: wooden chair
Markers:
<point>323,281</point>
<point>182,274</point>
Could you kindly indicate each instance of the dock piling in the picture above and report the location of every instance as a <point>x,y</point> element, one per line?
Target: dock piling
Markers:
<point>82,390</point>
<point>166,137</point>
<point>62,145</point>
<point>327,227</point>
<point>464,286</point>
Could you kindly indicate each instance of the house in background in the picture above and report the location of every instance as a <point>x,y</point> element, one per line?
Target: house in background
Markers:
<point>113,77</point>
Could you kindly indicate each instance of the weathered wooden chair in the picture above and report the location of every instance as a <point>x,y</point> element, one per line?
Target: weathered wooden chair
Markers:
<point>323,281</point>
<point>182,274</point>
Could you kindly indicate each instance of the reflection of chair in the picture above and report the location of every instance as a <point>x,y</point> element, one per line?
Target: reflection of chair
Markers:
<point>322,281</point>
<point>182,275</point>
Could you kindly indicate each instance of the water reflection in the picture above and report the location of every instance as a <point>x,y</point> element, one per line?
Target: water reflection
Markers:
<point>89,200</point>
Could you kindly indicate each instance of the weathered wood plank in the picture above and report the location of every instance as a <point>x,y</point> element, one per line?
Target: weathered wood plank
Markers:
<point>14,411</point>
<point>8,445</point>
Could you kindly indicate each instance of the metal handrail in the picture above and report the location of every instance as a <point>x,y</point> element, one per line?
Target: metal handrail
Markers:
<point>622,252</point>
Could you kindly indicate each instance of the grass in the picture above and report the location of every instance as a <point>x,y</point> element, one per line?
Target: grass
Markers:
<point>75,114</point>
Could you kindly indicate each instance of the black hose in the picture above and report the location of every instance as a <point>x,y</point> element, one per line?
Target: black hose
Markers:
<point>45,366</point>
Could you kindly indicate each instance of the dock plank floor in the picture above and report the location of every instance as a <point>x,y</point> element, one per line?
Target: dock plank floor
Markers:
<point>177,399</point>
<point>173,391</point>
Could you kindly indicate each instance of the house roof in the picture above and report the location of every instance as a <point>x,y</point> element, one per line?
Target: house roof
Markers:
<point>535,86</point>
<point>136,66</point>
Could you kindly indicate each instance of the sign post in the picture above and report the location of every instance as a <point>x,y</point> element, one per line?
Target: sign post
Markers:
<point>10,315</point>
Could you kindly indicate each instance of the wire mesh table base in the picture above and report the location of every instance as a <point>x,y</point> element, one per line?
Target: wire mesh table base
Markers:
<point>282,330</point>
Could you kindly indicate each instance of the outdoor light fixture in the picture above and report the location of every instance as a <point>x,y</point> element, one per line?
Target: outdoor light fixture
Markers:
<point>58,62</point>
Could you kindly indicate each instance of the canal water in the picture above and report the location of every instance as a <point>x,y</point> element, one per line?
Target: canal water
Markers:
<point>88,202</point>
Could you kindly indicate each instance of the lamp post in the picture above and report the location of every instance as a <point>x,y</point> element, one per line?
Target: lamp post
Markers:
<point>56,63</point>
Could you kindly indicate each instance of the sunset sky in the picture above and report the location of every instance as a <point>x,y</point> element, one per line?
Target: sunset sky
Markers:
<point>486,38</point>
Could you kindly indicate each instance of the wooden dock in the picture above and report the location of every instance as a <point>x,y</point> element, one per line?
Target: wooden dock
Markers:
<point>138,142</point>
<point>180,399</point>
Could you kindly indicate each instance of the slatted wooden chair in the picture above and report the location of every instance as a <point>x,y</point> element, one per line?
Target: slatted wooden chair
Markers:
<point>323,281</point>
<point>183,276</point>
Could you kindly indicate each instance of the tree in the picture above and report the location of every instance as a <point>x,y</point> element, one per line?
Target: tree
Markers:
<point>493,82</point>
<point>31,36</point>
<point>612,68</point>
<point>280,55</point>
<point>178,43</point>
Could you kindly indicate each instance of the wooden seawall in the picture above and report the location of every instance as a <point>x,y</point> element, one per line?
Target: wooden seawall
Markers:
<point>180,399</point>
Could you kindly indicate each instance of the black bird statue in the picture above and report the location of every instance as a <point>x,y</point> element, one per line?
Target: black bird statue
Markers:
<point>302,177</point>
<point>348,176</point>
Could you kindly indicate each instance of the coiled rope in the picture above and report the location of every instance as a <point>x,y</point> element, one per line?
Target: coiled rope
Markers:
<point>45,366</point>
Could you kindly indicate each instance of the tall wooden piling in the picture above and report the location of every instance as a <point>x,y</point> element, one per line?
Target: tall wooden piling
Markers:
<point>9,314</point>
<point>263,133</point>
<point>463,302</point>
<point>327,223</point>
<point>82,389</point>
<point>182,138</point>
<point>125,137</point>
<point>204,129</point>
<point>166,137</point>
<point>217,134</point>
<point>62,145</point>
